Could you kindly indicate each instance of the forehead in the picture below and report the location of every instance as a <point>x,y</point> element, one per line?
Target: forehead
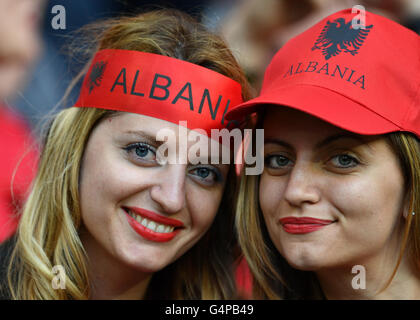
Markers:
<point>279,120</point>
<point>126,121</point>
<point>301,129</point>
<point>294,126</point>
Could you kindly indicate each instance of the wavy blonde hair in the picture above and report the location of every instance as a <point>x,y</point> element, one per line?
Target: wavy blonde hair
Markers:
<point>273,277</point>
<point>48,230</point>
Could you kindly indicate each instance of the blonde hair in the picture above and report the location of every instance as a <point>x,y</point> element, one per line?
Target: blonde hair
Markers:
<point>48,230</point>
<point>273,277</point>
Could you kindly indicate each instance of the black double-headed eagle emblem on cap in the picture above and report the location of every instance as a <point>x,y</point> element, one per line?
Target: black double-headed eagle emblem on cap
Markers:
<point>96,75</point>
<point>338,36</point>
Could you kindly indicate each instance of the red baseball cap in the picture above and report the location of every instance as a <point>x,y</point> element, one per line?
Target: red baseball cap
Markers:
<point>364,80</point>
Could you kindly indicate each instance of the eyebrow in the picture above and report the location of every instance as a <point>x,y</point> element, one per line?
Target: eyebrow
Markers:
<point>279,142</point>
<point>149,138</point>
<point>322,143</point>
<point>339,136</point>
<point>212,160</point>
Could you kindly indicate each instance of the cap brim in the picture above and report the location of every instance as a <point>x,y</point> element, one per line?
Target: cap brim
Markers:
<point>322,103</point>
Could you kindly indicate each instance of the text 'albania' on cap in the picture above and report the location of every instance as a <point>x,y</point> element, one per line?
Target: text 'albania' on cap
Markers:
<point>364,80</point>
<point>161,87</point>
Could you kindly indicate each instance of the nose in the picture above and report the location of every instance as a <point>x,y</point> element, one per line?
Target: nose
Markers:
<point>302,186</point>
<point>168,190</point>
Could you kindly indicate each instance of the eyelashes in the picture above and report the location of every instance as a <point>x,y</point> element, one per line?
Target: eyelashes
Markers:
<point>144,154</point>
<point>338,161</point>
<point>277,161</point>
<point>344,161</point>
<point>207,174</point>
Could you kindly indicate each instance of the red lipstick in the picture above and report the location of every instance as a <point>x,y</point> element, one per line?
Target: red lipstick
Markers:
<point>155,217</point>
<point>303,225</point>
<point>146,232</point>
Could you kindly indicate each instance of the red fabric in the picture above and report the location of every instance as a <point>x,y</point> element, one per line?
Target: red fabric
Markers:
<point>243,279</point>
<point>362,80</point>
<point>16,167</point>
<point>161,87</point>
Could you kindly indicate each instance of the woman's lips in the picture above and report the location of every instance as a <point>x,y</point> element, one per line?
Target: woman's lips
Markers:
<point>152,226</point>
<point>303,225</point>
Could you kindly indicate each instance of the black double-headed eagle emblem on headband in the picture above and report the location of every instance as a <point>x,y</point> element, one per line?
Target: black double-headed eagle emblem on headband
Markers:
<point>96,75</point>
<point>338,36</point>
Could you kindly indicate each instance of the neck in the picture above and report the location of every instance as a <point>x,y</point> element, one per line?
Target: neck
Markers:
<point>110,279</point>
<point>342,284</point>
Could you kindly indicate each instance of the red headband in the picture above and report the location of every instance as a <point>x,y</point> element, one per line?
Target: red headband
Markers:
<point>160,87</point>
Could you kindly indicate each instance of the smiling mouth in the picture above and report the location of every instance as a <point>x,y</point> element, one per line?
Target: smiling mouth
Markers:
<point>303,225</point>
<point>152,226</point>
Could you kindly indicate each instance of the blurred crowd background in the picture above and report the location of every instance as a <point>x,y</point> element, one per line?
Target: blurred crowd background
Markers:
<point>254,29</point>
<point>35,67</point>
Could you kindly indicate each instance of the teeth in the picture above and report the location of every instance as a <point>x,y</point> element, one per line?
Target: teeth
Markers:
<point>144,222</point>
<point>156,227</point>
<point>151,226</point>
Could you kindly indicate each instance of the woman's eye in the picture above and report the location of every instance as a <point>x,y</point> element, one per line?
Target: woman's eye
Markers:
<point>208,176</point>
<point>141,152</point>
<point>344,161</point>
<point>277,161</point>
<point>203,172</point>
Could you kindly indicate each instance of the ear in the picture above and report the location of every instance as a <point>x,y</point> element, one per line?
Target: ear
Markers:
<point>408,204</point>
<point>407,213</point>
<point>407,210</point>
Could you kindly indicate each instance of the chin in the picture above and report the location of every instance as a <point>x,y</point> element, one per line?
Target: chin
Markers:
<point>148,266</point>
<point>148,262</point>
<point>304,260</point>
<point>304,265</point>
<point>143,268</point>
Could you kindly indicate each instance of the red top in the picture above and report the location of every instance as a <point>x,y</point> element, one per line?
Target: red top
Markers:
<point>17,165</point>
<point>243,279</point>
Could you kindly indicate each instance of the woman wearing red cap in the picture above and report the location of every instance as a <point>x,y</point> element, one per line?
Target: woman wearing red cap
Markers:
<point>110,216</point>
<point>335,214</point>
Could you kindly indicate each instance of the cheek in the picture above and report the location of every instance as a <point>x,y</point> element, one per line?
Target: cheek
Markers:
<point>354,198</point>
<point>96,196</point>
<point>203,206</point>
<point>372,202</point>
<point>368,198</point>
<point>106,180</point>
<point>270,193</point>
<point>101,179</point>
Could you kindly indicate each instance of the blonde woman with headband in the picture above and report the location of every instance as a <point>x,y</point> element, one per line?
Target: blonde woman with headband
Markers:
<point>104,210</point>
<point>335,214</point>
